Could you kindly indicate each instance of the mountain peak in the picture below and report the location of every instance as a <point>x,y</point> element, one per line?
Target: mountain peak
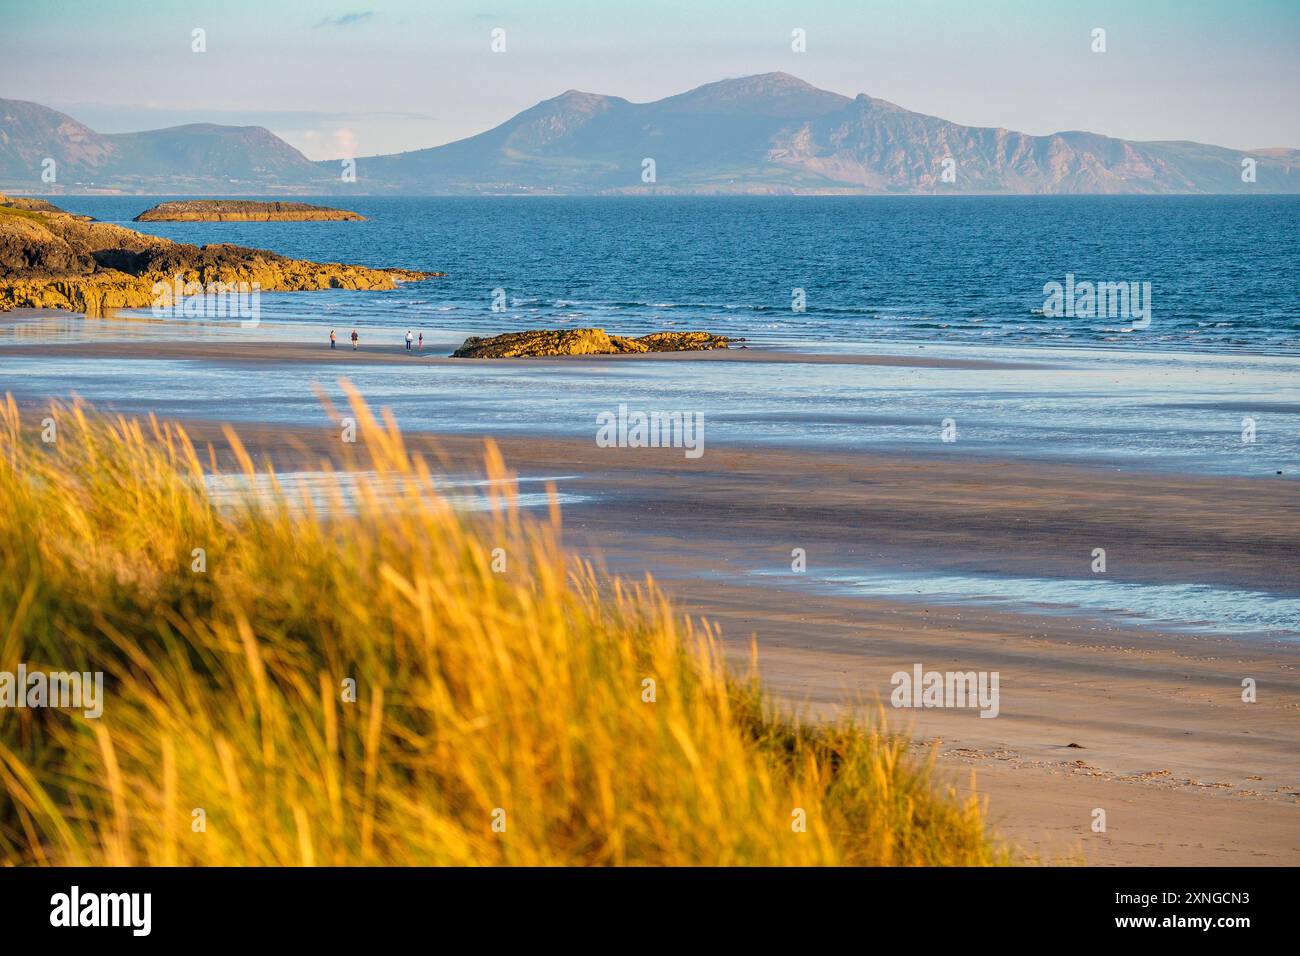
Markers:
<point>774,80</point>
<point>555,119</point>
<point>574,102</point>
<point>580,96</point>
<point>769,94</point>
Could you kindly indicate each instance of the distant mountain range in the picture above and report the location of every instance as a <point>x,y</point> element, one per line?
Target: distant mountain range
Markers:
<point>766,134</point>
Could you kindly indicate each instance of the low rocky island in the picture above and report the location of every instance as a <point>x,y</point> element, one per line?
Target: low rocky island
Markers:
<point>540,343</point>
<point>31,204</point>
<point>242,210</point>
<point>52,259</point>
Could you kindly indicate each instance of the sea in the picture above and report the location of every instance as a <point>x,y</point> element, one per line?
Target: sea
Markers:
<point>1201,376</point>
<point>1224,272</point>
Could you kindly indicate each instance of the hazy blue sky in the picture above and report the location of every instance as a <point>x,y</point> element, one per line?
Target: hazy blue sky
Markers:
<point>370,76</point>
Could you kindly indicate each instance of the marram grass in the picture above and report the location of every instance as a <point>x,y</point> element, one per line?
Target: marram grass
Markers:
<point>499,717</point>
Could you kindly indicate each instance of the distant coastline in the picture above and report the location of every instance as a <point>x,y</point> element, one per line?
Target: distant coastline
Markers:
<point>767,134</point>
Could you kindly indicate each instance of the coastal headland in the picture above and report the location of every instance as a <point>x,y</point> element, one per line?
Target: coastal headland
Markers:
<point>51,259</point>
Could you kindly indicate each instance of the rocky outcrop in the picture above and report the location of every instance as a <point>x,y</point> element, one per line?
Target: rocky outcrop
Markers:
<point>539,343</point>
<point>56,260</point>
<point>242,210</point>
<point>36,205</point>
<point>682,341</point>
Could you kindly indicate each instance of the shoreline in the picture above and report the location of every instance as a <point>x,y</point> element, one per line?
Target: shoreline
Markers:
<point>1162,742</point>
<point>1009,515</point>
<point>847,352</point>
<point>292,353</point>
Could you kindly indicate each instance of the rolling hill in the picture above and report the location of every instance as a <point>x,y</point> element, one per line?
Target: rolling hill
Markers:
<point>198,157</point>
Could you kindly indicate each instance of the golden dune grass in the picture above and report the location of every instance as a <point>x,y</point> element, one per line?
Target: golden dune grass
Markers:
<point>512,697</point>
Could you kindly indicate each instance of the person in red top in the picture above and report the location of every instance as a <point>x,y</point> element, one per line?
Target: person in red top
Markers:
<point>333,338</point>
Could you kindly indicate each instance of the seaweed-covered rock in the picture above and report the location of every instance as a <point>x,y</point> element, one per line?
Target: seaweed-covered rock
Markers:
<point>540,343</point>
<point>682,341</point>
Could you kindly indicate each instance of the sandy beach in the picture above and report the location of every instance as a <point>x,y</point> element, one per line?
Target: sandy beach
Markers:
<point>1144,723</point>
<point>435,354</point>
<point>1139,719</point>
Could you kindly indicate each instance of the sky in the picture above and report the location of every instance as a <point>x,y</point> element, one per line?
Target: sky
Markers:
<point>363,77</point>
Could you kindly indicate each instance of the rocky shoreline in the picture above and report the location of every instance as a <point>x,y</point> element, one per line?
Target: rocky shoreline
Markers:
<point>52,259</point>
<point>542,343</point>
<point>243,210</point>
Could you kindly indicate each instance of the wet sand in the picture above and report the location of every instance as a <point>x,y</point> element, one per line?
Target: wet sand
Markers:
<point>435,353</point>
<point>291,353</point>
<point>1186,772</point>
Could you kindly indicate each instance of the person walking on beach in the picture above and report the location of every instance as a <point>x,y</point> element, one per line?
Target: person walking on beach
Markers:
<point>421,346</point>
<point>333,339</point>
<point>354,340</point>
<point>409,339</point>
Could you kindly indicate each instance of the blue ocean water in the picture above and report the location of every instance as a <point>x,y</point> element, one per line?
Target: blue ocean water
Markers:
<point>1160,411</point>
<point>1184,607</point>
<point>943,278</point>
<point>951,279</point>
<point>1224,272</point>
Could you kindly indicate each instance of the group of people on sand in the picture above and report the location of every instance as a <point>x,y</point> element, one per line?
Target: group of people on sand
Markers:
<point>356,340</point>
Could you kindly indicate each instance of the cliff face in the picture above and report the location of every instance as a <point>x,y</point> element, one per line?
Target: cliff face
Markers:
<point>242,210</point>
<point>56,260</point>
<point>539,343</point>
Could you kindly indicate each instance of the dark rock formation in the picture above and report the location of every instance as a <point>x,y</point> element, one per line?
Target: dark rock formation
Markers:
<point>539,343</point>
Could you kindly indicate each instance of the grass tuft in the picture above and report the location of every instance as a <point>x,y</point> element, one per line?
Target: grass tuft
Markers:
<point>512,697</point>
